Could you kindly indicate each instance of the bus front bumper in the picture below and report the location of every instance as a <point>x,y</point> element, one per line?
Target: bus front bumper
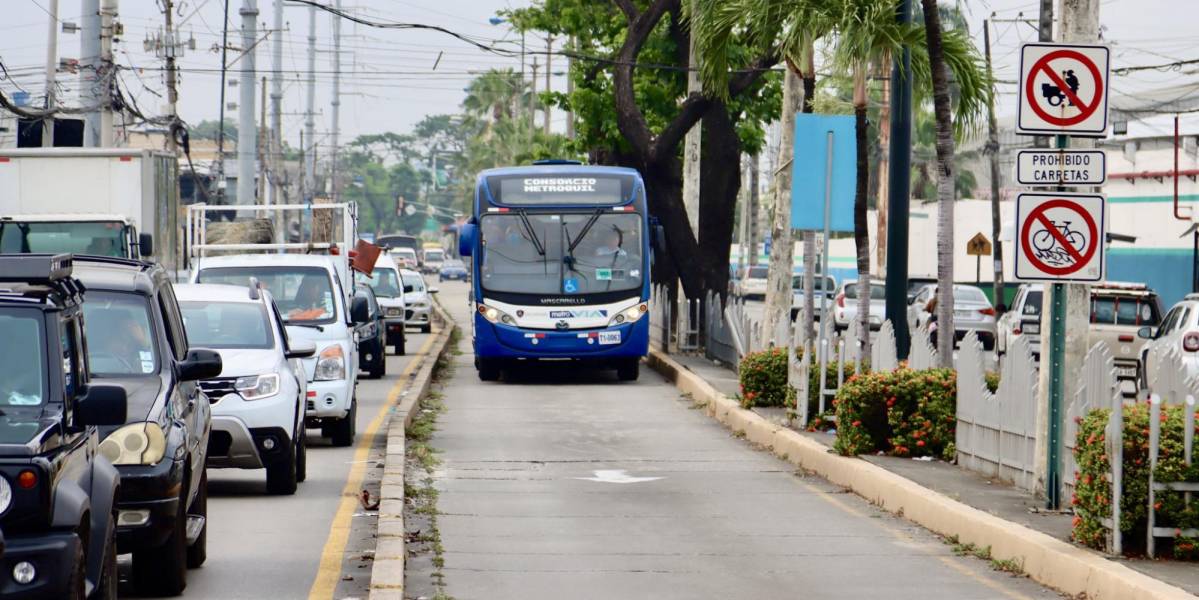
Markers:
<point>493,340</point>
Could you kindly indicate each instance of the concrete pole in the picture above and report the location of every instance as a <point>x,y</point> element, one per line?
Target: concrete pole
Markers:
<point>309,111</point>
<point>691,144</point>
<point>570,88</point>
<point>108,15</point>
<point>334,153</point>
<point>549,49</point>
<point>755,208</point>
<point>276,146</point>
<point>533,99</point>
<point>89,51</point>
<point>247,132</point>
<point>264,147</point>
<point>993,149</point>
<point>51,71</point>
<point>782,250</point>
<point>169,48</point>
<point>1079,23</point>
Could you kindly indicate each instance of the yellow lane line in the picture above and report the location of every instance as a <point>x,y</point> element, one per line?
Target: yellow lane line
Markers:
<point>902,536</point>
<point>329,572</point>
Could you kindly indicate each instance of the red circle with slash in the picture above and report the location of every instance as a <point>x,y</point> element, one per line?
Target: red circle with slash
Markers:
<point>1085,110</point>
<point>1038,216</point>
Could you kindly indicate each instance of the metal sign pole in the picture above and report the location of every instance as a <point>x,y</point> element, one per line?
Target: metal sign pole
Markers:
<point>1057,357</point>
<point>824,310</point>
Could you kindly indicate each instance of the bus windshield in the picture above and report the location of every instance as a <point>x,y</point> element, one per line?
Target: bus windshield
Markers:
<point>100,238</point>
<point>557,253</point>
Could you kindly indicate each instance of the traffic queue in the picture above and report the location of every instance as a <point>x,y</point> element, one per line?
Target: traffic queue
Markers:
<point>120,388</point>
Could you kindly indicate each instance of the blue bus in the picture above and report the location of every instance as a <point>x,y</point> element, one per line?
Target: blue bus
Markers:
<point>560,256</point>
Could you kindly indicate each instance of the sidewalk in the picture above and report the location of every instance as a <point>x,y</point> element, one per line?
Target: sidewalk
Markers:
<point>995,497</point>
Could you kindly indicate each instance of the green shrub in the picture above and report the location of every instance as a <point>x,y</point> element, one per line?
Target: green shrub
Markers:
<point>1092,491</point>
<point>763,377</point>
<point>991,378</point>
<point>901,412</point>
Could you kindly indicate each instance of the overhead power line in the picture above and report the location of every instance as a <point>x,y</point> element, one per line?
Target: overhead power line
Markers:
<point>1171,66</point>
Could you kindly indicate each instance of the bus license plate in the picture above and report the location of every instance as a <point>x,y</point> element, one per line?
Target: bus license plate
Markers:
<point>609,337</point>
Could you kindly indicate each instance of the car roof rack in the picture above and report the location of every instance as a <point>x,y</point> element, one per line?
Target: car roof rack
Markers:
<point>113,260</point>
<point>35,268</point>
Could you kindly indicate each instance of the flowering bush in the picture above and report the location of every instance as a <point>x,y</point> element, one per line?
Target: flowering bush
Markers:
<point>1092,492</point>
<point>991,378</point>
<point>901,412</point>
<point>763,377</point>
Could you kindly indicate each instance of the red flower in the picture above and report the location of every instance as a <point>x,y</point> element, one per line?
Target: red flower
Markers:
<point>920,443</point>
<point>857,423</point>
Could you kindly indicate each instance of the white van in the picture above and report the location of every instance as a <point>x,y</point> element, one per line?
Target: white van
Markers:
<point>389,290</point>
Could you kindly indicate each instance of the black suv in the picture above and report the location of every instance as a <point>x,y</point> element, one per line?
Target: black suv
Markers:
<point>372,351</point>
<point>57,493</point>
<point>138,342</point>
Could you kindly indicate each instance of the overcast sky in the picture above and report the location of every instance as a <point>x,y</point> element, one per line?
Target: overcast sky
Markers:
<point>389,81</point>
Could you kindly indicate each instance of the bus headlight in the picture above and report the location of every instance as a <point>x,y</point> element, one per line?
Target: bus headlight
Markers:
<point>629,315</point>
<point>495,315</point>
<point>135,444</point>
<point>330,365</point>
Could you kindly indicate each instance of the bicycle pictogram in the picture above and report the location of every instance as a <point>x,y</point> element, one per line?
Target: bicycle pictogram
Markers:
<point>1053,248</point>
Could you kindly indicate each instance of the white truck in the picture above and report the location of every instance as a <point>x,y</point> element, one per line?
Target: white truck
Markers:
<point>120,202</point>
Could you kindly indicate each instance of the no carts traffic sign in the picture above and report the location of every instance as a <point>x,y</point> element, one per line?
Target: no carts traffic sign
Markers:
<point>1060,237</point>
<point>1063,90</point>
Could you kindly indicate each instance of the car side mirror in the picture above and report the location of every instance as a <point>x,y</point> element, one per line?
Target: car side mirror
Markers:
<point>467,234</point>
<point>433,290</point>
<point>201,363</point>
<point>101,405</point>
<point>408,289</point>
<point>145,244</point>
<point>1145,333</point>
<point>360,310</point>
<point>300,348</point>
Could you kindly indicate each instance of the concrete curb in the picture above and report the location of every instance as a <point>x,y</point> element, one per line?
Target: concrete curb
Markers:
<point>1045,559</point>
<point>387,571</point>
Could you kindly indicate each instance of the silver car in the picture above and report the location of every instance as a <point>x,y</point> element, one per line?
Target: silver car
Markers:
<point>824,289</point>
<point>416,300</point>
<point>971,312</point>
<point>845,308</point>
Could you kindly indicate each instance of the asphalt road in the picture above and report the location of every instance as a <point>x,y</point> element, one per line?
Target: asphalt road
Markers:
<point>566,483</point>
<point>262,546</point>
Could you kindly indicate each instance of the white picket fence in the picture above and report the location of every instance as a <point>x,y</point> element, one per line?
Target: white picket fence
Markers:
<point>996,432</point>
<point>1169,384</point>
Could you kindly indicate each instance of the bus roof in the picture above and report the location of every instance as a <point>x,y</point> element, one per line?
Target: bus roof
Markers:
<point>558,170</point>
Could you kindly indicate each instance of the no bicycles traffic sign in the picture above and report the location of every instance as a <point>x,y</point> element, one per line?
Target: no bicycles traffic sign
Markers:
<point>1060,237</point>
<point>1063,89</point>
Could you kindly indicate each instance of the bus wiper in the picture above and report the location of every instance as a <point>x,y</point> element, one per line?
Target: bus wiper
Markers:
<point>582,234</point>
<point>524,219</point>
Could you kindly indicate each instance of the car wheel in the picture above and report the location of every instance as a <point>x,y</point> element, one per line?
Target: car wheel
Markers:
<point>378,366</point>
<point>197,552</point>
<point>162,571</point>
<point>342,431</point>
<point>109,579</point>
<point>301,455</point>
<point>281,477</point>
<point>628,369</point>
<point>77,584</point>
<point>400,344</point>
<point>426,328</point>
<point>489,369</point>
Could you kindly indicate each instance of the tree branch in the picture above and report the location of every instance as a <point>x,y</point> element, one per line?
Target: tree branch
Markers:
<point>630,120</point>
<point>627,7</point>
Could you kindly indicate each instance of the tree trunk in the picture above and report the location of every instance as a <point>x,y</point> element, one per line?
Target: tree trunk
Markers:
<point>884,146</point>
<point>718,190</point>
<point>946,176</point>
<point>809,237</point>
<point>782,249</point>
<point>861,230</point>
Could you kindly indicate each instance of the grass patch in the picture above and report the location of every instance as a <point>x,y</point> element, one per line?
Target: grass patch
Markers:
<point>1008,565</point>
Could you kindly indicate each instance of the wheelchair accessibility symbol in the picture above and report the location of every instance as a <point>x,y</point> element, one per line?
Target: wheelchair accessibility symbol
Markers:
<point>570,286</point>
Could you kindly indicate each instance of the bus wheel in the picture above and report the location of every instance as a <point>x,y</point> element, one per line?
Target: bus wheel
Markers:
<point>628,369</point>
<point>489,370</point>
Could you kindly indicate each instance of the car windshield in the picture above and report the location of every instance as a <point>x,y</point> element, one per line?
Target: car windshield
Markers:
<point>535,255</point>
<point>822,283</point>
<point>757,273</point>
<point>1137,311</point>
<point>120,338</point>
<point>95,237</point>
<point>416,281</point>
<point>434,255</point>
<point>227,325</point>
<point>303,294</point>
<point>383,280</point>
<point>22,361</point>
<point>877,290</point>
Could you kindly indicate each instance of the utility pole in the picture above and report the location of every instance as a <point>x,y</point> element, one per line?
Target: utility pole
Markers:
<point>51,71</point>
<point>263,147</point>
<point>993,149</point>
<point>549,50</point>
<point>247,132</point>
<point>755,208</point>
<point>108,30</point>
<point>533,100</point>
<point>89,50</point>
<point>570,89</point>
<point>309,115</point>
<point>276,147</point>
<point>169,47</point>
<point>334,154</point>
<point>220,136</point>
<point>899,185</point>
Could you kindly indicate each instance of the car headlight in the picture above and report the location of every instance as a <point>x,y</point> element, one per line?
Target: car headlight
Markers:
<point>495,315</point>
<point>135,444</point>
<point>257,387</point>
<point>629,315</point>
<point>5,495</point>
<point>331,364</point>
<point>395,312</point>
<point>419,305</point>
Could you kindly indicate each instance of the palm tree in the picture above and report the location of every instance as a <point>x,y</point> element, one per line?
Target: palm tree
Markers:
<point>495,95</point>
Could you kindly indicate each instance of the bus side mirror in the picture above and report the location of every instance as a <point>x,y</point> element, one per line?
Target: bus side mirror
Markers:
<point>659,239</point>
<point>466,238</point>
<point>145,244</point>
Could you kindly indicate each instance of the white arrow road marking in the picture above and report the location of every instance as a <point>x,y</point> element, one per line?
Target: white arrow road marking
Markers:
<point>616,476</point>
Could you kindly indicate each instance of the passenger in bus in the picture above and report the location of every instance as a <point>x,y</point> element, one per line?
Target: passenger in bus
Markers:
<point>613,240</point>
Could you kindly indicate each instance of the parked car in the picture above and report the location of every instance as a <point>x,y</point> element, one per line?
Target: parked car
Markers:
<point>372,346</point>
<point>752,283</point>
<point>316,307</point>
<point>972,311</point>
<point>139,343</point>
<point>1023,318</point>
<point>845,308</point>
<point>389,291</point>
<point>258,401</point>
<point>405,257</point>
<point>915,284</point>
<point>57,494</point>
<point>417,300</point>
<point>1179,329</point>
<point>453,269</point>
<point>432,259</point>
<point>824,289</point>
<point>1118,311</point>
